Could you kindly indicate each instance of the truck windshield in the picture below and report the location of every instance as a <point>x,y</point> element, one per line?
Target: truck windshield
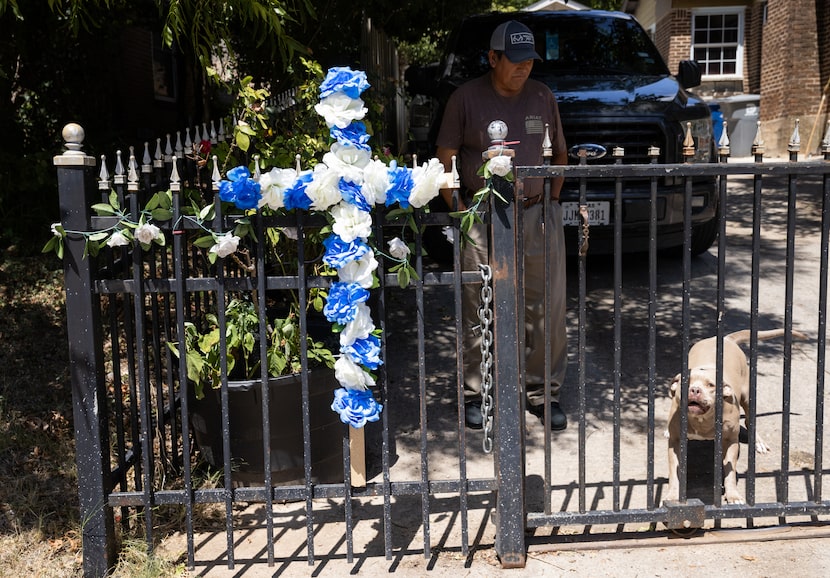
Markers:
<point>585,46</point>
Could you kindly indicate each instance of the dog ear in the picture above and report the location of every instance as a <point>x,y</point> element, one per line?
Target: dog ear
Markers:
<point>727,391</point>
<point>674,384</point>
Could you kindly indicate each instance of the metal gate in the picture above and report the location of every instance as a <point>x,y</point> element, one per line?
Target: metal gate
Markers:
<point>134,414</point>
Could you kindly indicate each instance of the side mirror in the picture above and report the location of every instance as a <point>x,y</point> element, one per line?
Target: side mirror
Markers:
<point>422,80</point>
<point>688,73</point>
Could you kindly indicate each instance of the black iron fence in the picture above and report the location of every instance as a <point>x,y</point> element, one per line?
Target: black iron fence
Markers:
<point>149,448</point>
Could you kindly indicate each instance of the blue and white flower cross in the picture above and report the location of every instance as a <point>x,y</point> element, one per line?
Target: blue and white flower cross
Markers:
<point>347,185</point>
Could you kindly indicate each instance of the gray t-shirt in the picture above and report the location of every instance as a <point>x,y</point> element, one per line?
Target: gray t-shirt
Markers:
<point>476,103</point>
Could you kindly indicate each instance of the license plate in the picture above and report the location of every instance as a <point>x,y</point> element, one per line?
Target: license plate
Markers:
<point>598,213</point>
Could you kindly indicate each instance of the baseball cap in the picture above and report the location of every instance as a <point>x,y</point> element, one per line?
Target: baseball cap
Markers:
<point>515,40</point>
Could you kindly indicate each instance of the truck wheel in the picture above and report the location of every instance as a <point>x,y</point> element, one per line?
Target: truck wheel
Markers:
<point>704,235</point>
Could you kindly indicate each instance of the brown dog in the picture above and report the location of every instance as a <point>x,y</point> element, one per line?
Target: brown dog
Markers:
<point>701,407</point>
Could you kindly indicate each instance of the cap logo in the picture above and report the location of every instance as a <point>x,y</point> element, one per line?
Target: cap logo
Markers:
<point>521,38</point>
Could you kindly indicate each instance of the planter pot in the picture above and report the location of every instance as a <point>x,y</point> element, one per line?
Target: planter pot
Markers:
<point>286,417</point>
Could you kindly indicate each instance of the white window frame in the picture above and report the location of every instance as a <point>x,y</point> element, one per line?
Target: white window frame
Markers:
<point>740,12</point>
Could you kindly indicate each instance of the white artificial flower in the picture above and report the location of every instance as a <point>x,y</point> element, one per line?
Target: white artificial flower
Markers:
<point>500,165</point>
<point>398,249</point>
<point>375,182</point>
<point>358,328</point>
<point>290,232</point>
<point>324,188</point>
<point>348,162</point>
<point>350,222</point>
<point>427,181</point>
<point>351,375</point>
<point>146,233</point>
<point>272,186</point>
<point>339,110</point>
<point>449,233</point>
<point>360,271</point>
<point>117,239</point>
<point>225,245</point>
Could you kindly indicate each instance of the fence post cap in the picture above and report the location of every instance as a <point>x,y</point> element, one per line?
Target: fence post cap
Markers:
<point>73,135</point>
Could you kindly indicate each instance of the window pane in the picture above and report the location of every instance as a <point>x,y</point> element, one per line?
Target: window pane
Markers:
<point>716,40</point>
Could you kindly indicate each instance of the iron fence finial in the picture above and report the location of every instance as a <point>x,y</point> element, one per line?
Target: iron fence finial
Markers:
<point>795,139</point>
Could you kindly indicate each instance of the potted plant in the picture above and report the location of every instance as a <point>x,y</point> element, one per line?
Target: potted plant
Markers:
<point>245,395</point>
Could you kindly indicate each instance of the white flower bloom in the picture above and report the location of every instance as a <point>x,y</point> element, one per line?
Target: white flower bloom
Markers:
<point>55,231</point>
<point>290,232</point>
<point>398,249</point>
<point>500,165</point>
<point>449,233</point>
<point>428,179</point>
<point>348,162</point>
<point>117,239</point>
<point>350,222</point>
<point>225,245</point>
<point>339,110</point>
<point>146,233</point>
<point>351,375</point>
<point>375,182</point>
<point>358,328</point>
<point>273,184</point>
<point>324,188</point>
<point>359,271</point>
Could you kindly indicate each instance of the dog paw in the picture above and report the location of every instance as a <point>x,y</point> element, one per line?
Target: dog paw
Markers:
<point>734,499</point>
<point>761,446</point>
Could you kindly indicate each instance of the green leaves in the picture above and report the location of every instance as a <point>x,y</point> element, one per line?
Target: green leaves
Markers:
<point>406,273</point>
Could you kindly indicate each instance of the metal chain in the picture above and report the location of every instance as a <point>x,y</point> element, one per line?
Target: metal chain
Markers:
<point>485,316</point>
<point>583,213</point>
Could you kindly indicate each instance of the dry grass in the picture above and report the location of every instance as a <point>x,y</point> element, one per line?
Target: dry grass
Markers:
<point>39,522</point>
<point>39,527</point>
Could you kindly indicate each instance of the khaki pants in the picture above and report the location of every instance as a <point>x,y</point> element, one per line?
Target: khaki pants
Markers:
<point>535,234</point>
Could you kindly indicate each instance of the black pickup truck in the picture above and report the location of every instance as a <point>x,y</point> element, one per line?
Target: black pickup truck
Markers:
<point>614,90</point>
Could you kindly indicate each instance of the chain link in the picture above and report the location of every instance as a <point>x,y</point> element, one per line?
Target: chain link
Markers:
<point>485,316</point>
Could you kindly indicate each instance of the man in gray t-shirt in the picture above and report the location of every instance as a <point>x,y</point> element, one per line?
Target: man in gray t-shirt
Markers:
<point>527,106</point>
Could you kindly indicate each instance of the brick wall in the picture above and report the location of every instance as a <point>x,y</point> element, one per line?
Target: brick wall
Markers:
<point>823,18</point>
<point>786,61</point>
<point>674,37</point>
<point>753,35</point>
<point>789,48</point>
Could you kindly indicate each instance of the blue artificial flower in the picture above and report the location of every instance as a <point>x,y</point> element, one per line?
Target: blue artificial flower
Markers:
<point>240,189</point>
<point>400,185</point>
<point>341,305</point>
<point>364,351</point>
<point>353,135</point>
<point>356,407</point>
<point>353,194</point>
<point>294,196</point>
<point>344,79</point>
<point>339,253</point>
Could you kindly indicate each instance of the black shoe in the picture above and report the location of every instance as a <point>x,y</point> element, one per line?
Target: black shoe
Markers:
<point>558,419</point>
<point>472,414</point>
